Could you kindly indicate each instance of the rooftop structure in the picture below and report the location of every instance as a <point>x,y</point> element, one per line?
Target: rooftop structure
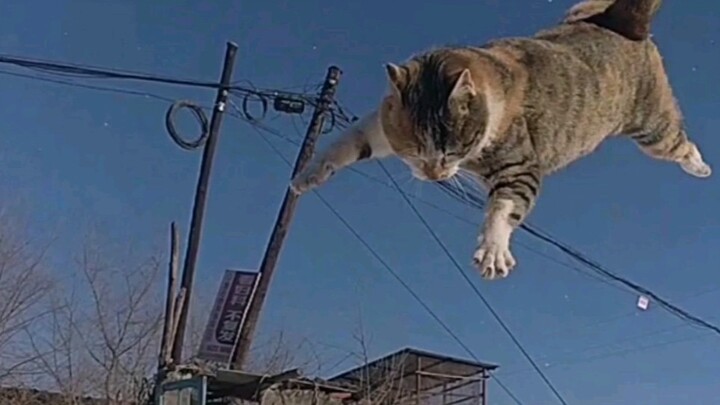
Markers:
<point>412,376</point>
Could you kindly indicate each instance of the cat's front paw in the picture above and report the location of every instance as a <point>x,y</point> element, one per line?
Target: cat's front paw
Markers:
<point>313,176</point>
<point>494,259</point>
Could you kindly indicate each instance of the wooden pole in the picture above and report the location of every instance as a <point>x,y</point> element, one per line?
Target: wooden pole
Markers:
<point>284,218</point>
<point>201,191</point>
<point>168,326</point>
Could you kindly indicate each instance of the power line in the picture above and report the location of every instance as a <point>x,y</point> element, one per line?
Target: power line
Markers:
<point>464,220</point>
<point>448,190</point>
<point>602,274</point>
<point>577,330</point>
<point>469,222</point>
<point>392,272</point>
<point>631,338</point>
<point>477,202</point>
<point>445,211</point>
<point>599,273</point>
<point>482,298</point>
<point>89,87</point>
<point>615,353</point>
<point>670,307</point>
<point>337,116</point>
<point>239,113</point>
<point>77,71</point>
<point>462,196</point>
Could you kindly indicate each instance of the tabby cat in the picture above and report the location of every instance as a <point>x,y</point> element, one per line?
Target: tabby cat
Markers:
<point>516,110</point>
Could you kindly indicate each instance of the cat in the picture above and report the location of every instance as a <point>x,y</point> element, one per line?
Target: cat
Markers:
<point>516,110</point>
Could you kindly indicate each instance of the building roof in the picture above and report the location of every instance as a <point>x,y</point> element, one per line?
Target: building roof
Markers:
<point>402,366</point>
<point>247,386</point>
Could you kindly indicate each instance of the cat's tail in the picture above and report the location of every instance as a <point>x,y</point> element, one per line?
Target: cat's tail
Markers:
<point>629,18</point>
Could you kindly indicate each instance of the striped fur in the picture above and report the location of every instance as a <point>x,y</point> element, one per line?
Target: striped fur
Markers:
<point>514,111</point>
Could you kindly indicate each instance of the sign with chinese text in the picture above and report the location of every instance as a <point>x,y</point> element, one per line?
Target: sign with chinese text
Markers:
<point>227,315</point>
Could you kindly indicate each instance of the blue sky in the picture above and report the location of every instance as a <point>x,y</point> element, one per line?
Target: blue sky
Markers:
<point>77,157</point>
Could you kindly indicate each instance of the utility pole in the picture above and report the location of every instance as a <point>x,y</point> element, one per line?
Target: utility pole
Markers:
<point>201,191</point>
<point>284,218</point>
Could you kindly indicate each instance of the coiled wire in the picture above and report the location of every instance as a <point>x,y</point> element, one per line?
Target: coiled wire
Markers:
<point>199,114</point>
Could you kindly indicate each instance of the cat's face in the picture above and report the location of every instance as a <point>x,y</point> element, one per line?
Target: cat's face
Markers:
<point>436,122</point>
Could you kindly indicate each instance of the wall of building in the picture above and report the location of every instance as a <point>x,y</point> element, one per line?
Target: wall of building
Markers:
<point>275,396</point>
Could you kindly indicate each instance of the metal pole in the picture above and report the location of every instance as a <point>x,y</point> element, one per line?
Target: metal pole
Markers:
<point>282,223</point>
<point>485,387</point>
<point>201,191</point>
<point>418,370</point>
<point>166,342</point>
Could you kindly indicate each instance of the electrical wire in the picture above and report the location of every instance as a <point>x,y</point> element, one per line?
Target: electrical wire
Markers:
<point>454,193</point>
<point>505,373</point>
<point>89,87</point>
<point>77,71</point>
<point>70,73</point>
<point>199,114</point>
<point>392,272</point>
<point>615,353</point>
<point>477,202</point>
<point>339,117</point>
<point>614,343</point>
<point>96,72</point>
<point>670,307</point>
<point>482,298</point>
<point>600,272</point>
<point>249,93</point>
<point>338,114</point>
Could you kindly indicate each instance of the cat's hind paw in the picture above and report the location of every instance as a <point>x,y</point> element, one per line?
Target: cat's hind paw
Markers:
<point>696,168</point>
<point>694,164</point>
<point>311,177</point>
<point>494,260</point>
<point>702,170</point>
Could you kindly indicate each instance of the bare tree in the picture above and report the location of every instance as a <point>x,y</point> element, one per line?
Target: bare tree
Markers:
<point>24,284</point>
<point>58,351</point>
<point>120,331</point>
<point>380,383</point>
<point>102,333</point>
<point>95,332</point>
<point>280,352</point>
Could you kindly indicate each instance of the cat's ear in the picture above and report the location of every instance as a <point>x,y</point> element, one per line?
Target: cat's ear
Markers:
<point>396,76</point>
<point>464,89</point>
